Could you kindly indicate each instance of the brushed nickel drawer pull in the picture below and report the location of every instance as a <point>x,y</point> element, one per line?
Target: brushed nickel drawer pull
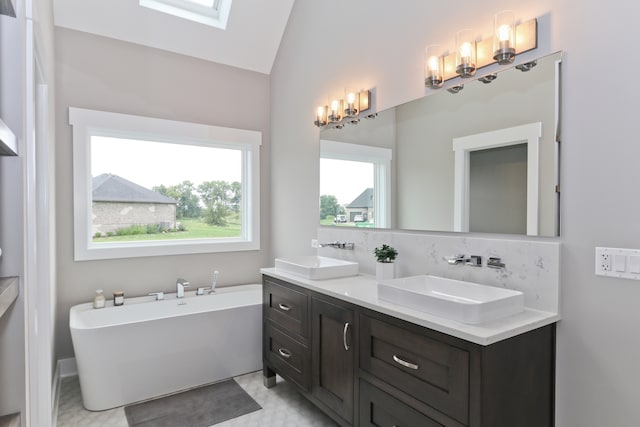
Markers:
<point>284,353</point>
<point>405,363</point>
<point>284,307</point>
<point>344,336</point>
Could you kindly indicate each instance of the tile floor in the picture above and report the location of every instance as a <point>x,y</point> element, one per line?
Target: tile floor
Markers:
<point>282,406</point>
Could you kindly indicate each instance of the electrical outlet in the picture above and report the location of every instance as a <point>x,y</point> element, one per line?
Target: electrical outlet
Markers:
<point>605,262</point>
<point>617,262</point>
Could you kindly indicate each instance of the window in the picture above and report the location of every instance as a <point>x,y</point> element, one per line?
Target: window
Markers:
<point>214,13</point>
<point>355,183</point>
<point>145,186</point>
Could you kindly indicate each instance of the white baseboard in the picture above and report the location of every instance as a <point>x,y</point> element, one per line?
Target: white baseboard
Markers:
<point>67,367</point>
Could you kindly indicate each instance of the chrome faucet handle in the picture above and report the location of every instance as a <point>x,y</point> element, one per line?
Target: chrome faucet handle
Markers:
<point>495,262</point>
<point>159,295</point>
<point>201,290</point>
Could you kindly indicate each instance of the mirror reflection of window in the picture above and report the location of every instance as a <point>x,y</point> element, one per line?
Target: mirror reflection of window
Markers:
<point>354,185</point>
<point>346,192</point>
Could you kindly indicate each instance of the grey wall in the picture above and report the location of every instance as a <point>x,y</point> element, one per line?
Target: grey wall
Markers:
<point>598,349</point>
<point>104,74</point>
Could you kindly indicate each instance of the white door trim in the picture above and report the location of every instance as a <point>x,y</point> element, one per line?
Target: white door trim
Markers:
<point>463,146</point>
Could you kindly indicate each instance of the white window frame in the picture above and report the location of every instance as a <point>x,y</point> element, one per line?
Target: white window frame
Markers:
<point>381,159</point>
<point>88,123</point>
<point>216,16</point>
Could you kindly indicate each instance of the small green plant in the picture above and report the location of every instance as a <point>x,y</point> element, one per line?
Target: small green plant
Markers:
<point>97,235</point>
<point>385,253</point>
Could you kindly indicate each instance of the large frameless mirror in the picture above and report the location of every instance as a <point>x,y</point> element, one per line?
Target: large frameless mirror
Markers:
<point>485,159</point>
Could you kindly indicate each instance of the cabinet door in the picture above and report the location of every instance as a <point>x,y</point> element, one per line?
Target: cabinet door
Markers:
<point>333,356</point>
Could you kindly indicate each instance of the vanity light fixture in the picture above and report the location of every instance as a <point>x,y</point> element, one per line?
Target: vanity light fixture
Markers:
<point>465,53</point>
<point>504,37</point>
<point>455,89</point>
<point>471,53</point>
<point>434,67</point>
<point>488,78</point>
<point>341,111</point>
<point>526,66</point>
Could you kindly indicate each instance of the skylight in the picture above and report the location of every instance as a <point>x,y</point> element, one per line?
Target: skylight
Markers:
<point>214,13</point>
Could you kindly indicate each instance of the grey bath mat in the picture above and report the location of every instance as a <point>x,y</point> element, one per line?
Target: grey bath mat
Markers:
<point>200,407</point>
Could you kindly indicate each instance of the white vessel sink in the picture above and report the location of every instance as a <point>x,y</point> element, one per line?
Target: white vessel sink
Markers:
<point>317,267</point>
<point>457,300</point>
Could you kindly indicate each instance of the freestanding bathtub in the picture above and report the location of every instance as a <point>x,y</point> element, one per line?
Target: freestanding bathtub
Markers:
<point>149,348</point>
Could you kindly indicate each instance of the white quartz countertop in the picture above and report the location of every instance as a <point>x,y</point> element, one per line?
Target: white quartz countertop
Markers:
<point>362,290</point>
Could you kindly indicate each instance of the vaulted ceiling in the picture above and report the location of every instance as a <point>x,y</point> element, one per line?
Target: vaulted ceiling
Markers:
<point>250,41</point>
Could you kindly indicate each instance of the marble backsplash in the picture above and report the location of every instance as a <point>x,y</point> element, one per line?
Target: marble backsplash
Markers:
<point>531,266</point>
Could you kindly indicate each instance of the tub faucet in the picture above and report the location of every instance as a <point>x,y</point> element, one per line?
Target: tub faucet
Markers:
<point>180,285</point>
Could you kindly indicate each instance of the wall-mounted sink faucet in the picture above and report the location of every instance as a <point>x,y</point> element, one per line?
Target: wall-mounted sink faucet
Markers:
<point>181,284</point>
<point>472,260</point>
<point>338,245</point>
<point>457,259</point>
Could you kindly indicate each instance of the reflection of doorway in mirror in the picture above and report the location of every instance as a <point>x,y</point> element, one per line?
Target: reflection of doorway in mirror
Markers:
<point>527,135</point>
<point>498,190</point>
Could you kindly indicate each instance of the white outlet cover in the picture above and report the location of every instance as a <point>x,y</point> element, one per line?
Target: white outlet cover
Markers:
<point>618,262</point>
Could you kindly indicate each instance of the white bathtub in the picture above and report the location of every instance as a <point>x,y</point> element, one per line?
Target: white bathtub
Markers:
<point>149,348</point>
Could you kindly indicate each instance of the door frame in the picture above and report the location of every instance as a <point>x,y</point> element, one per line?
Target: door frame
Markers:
<point>529,134</point>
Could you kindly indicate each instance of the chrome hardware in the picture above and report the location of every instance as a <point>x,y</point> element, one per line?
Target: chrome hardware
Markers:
<point>284,353</point>
<point>201,291</point>
<point>180,285</point>
<point>159,295</point>
<point>405,363</point>
<point>457,259</point>
<point>338,245</point>
<point>284,307</point>
<point>344,336</point>
<point>526,66</point>
<point>474,261</point>
<point>495,262</point>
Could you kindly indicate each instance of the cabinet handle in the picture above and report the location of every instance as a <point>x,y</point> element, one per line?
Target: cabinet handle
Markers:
<point>284,307</point>
<point>405,363</point>
<point>344,336</point>
<point>284,353</point>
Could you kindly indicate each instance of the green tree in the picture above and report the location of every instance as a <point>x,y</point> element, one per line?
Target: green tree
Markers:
<point>187,202</point>
<point>236,196</point>
<point>329,206</point>
<point>216,197</point>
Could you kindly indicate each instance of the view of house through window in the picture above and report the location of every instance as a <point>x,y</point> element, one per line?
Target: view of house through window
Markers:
<point>149,190</point>
<point>347,192</point>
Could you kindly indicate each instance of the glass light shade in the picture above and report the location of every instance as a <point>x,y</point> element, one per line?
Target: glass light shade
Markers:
<point>433,67</point>
<point>465,53</point>
<point>351,103</point>
<point>335,110</point>
<point>321,116</point>
<point>504,37</point>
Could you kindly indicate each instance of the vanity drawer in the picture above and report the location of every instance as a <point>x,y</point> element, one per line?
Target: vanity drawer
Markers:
<point>286,307</point>
<point>378,408</point>
<point>433,372</point>
<point>290,359</point>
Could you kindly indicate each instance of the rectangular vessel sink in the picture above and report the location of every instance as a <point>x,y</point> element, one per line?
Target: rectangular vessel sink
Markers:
<point>457,300</point>
<point>317,267</point>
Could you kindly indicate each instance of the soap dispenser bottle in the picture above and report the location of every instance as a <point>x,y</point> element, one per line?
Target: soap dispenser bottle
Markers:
<point>99,300</point>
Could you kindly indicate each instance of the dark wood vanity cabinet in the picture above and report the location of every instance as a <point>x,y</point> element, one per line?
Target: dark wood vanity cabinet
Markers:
<point>333,356</point>
<point>365,368</point>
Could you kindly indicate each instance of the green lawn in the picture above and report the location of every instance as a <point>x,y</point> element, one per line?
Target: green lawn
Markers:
<point>195,229</point>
